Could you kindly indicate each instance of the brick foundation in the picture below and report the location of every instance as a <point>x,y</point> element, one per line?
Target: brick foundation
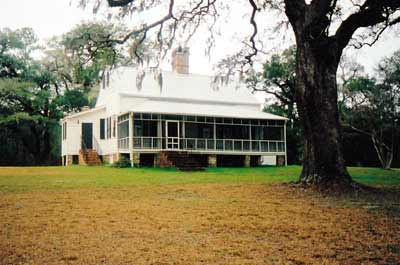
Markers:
<point>164,161</point>
<point>212,160</point>
<point>280,160</point>
<point>135,159</point>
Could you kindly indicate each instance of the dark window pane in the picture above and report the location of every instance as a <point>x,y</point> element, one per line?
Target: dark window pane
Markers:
<point>114,127</point>
<point>201,119</point>
<point>146,116</point>
<point>227,120</point>
<point>137,116</point>
<point>237,121</point>
<point>191,118</point>
<point>171,117</point>
<point>273,133</point>
<point>172,129</point>
<point>280,123</point>
<point>219,120</point>
<point>102,129</point>
<point>210,119</point>
<point>191,130</point>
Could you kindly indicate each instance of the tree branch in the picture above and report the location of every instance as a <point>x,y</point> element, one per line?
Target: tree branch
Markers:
<point>370,13</point>
<point>144,29</point>
<point>252,38</point>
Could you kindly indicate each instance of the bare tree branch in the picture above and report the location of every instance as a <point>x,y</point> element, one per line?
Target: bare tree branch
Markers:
<point>371,13</point>
<point>146,28</point>
<point>252,38</point>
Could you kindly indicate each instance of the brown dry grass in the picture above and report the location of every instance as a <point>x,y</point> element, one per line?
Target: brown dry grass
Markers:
<point>193,224</point>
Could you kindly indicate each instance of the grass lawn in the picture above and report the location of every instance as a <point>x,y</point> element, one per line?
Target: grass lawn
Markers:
<point>102,215</point>
<point>33,178</point>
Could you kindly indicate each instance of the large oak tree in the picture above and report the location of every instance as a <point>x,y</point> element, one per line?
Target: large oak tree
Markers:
<point>322,30</point>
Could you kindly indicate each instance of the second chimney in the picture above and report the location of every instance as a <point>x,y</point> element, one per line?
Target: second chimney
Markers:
<point>180,60</point>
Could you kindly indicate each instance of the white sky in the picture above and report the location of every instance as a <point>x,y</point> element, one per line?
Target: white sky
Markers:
<point>54,17</point>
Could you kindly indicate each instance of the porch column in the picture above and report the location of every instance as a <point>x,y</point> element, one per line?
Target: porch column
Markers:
<point>131,155</point>
<point>284,138</point>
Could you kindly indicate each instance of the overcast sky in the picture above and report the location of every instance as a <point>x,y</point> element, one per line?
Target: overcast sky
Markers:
<point>54,17</point>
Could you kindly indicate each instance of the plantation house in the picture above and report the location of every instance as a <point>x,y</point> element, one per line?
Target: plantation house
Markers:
<point>172,118</point>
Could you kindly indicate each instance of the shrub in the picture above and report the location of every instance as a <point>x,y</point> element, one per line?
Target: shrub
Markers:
<point>123,162</point>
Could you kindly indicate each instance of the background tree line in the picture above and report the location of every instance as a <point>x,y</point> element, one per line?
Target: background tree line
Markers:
<point>40,84</point>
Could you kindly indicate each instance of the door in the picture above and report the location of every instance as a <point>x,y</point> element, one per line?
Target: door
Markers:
<point>87,136</point>
<point>172,135</point>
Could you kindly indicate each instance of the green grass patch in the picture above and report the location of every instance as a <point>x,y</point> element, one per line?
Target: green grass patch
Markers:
<point>52,178</point>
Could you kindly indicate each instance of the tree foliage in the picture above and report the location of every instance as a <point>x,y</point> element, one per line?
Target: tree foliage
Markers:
<point>32,101</point>
<point>372,108</point>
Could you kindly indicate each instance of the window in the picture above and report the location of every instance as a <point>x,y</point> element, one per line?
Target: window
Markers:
<point>114,127</point>
<point>108,79</point>
<point>64,131</point>
<point>102,128</point>
<point>108,127</point>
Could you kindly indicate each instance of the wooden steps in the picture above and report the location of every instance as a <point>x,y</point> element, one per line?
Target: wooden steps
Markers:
<point>89,157</point>
<point>182,160</point>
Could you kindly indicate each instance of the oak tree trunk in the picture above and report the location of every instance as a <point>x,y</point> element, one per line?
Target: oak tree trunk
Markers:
<point>316,96</point>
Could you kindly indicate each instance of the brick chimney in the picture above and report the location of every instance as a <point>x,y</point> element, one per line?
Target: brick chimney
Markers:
<point>180,60</point>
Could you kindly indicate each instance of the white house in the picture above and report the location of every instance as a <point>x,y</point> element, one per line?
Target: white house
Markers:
<point>169,118</point>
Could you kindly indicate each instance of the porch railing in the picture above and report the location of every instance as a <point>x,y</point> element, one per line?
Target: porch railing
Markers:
<point>97,146</point>
<point>201,144</point>
<point>123,143</point>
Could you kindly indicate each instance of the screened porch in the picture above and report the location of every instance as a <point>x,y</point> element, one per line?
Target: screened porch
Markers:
<point>149,132</point>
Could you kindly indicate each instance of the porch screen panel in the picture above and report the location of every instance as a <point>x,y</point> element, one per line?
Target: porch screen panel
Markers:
<point>145,133</point>
<point>199,130</point>
<point>232,132</point>
<point>273,133</point>
<point>123,129</point>
<point>145,128</point>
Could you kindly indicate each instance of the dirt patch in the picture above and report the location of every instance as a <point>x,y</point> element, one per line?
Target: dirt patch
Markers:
<point>193,224</point>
